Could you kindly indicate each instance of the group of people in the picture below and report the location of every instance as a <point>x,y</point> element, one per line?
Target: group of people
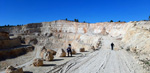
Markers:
<point>70,52</point>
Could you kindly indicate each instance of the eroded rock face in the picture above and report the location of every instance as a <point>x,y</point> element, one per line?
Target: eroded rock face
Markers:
<point>60,53</point>
<point>11,69</point>
<point>37,62</point>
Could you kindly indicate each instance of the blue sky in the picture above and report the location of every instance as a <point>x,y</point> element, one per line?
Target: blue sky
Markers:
<point>15,12</point>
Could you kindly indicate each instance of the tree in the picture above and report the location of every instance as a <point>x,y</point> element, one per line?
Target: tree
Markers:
<point>84,22</point>
<point>149,18</point>
<point>119,21</point>
<point>111,20</point>
<point>8,25</point>
<point>75,20</point>
<point>66,19</point>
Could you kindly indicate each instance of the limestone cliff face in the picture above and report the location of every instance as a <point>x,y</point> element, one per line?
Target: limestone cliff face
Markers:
<point>137,37</point>
<point>57,34</point>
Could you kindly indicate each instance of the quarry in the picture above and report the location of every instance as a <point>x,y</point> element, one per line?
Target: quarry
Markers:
<point>42,47</point>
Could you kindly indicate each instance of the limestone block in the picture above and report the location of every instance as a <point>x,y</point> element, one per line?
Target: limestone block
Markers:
<point>52,51</point>
<point>37,62</point>
<point>60,53</point>
<point>73,51</point>
<point>11,69</point>
<point>82,49</point>
<point>48,56</point>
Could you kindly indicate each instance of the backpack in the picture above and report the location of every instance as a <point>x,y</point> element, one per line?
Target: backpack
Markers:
<point>68,49</point>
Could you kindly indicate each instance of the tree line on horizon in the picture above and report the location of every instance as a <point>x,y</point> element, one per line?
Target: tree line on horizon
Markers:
<point>8,25</point>
<point>75,20</point>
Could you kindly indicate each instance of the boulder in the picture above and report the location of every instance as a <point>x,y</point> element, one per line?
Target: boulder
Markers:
<point>60,53</point>
<point>11,69</point>
<point>48,56</point>
<point>73,51</point>
<point>92,48</point>
<point>37,62</point>
<point>42,52</point>
<point>82,49</point>
<point>52,51</point>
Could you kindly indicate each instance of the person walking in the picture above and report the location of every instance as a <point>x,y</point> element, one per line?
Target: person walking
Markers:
<point>112,46</point>
<point>69,50</point>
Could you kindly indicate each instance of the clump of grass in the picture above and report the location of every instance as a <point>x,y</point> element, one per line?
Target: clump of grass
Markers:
<point>146,62</point>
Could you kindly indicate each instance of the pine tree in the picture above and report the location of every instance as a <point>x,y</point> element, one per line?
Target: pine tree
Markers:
<point>66,19</point>
<point>111,20</point>
<point>75,20</point>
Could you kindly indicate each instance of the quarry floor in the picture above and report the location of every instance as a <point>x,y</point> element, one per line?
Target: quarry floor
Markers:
<point>103,60</point>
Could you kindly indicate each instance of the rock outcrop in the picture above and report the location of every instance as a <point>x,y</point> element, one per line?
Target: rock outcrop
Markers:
<point>14,52</point>
<point>4,36</point>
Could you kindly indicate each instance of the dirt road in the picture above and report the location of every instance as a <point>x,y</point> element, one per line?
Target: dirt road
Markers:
<point>102,61</point>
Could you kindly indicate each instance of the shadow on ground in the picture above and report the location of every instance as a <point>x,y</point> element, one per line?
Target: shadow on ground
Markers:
<point>27,72</point>
<point>49,65</point>
<point>58,59</point>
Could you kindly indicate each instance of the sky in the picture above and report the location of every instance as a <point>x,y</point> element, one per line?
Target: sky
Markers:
<point>14,12</point>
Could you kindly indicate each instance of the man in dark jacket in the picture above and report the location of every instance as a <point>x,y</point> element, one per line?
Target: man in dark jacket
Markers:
<point>112,46</point>
<point>69,50</point>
